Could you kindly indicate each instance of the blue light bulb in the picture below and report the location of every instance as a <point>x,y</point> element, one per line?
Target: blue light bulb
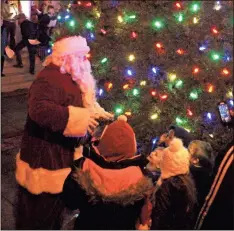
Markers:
<point>209,116</point>
<point>202,48</point>
<point>100,92</point>
<point>129,72</point>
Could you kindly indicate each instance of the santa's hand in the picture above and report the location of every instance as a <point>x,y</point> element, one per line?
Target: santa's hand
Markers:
<point>92,123</point>
<point>106,115</point>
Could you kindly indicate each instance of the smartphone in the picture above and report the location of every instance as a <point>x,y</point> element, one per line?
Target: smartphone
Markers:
<point>224,112</point>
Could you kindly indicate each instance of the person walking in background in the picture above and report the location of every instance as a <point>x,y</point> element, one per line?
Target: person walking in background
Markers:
<point>3,45</point>
<point>28,32</point>
<point>9,12</point>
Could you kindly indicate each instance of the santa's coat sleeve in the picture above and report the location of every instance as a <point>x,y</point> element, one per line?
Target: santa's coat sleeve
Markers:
<point>44,107</point>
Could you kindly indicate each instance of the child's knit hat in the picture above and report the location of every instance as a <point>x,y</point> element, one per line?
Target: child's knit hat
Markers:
<point>118,141</point>
<point>175,159</point>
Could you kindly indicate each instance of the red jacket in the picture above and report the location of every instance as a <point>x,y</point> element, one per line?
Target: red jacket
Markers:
<point>54,113</point>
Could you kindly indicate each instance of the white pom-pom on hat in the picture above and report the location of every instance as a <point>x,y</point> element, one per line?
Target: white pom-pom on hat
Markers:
<point>175,159</point>
<point>123,118</point>
<point>176,145</point>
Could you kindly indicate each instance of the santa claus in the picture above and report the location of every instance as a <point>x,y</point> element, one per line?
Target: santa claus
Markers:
<point>61,108</point>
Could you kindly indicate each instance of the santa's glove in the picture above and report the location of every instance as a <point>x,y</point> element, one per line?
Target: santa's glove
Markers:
<point>102,113</point>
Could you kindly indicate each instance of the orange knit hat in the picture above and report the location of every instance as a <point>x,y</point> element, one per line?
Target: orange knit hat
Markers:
<point>118,141</point>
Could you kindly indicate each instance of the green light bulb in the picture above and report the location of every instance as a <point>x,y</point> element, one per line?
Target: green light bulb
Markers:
<point>215,56</point>
<point>193,95</point>
<point>180,17</point>
<point>89,25</point>
<point>104,60</point>
<point>158,24</point>
<point>119,110</point>
<point>179,83</point>
<point>195,7</point>
<point>135,92</point>
<point>179,121</point>
<point>132,16</point>
<point>72,23</point>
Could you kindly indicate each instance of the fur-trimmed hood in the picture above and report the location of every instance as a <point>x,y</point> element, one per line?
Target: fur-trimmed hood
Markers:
<point>121,186</point>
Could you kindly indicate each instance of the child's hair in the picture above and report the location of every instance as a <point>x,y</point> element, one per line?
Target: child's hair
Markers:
<point>204,153</point>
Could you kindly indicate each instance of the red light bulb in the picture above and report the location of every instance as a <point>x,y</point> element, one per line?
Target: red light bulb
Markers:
<point>225,71</point>
<point>214,30</point>
<point>159,45</point>
<point>180,51</point>
<point>163,97</point>
<point>189,112</point>
<point>133,34</point>
<point>153,93</point>
<point>196,70</point>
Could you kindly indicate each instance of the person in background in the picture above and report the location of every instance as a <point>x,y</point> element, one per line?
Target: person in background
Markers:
<point>175,131</point>
<point>174,197</point>
<point>53,18</point>
<point>28,32</point>
<point>3,45</point>
<point>153,165</point>
<point>202,162</point>
<point>9,12</point>
<point>42,10</point>
<point>217,211</point>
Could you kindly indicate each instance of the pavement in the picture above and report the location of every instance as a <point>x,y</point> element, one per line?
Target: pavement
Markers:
<point>13,116</point>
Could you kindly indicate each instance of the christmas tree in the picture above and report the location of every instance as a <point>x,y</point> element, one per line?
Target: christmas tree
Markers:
<point>160,63</point>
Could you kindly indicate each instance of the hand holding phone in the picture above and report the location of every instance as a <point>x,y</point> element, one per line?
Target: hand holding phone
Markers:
<point>224,113</point>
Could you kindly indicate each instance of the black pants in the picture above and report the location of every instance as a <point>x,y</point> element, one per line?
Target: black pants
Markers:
<point>31,50</point>
<point>2,63</point>
<point>38,212</point>
<point>11,28</point>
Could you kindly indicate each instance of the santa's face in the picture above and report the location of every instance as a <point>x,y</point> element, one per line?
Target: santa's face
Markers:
<point>155,160</point>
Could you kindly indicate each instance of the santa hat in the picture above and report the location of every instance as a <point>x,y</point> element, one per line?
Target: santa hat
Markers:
<point>175,159</point>
<point>118,141</point>
<point>71,45</point>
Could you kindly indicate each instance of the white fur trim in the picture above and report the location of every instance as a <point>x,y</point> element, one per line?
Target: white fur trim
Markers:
<point>175,160</point>
<point>40,180</point>
<point>70,45</point>
<point>123,118</point>
<point>78,122</point>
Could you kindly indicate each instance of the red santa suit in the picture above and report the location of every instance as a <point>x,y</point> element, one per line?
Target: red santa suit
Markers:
<point>61,105</point>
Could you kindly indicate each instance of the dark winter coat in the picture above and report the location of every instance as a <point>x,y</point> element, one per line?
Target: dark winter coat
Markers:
<point>100,206</point>
<point>28,30</point>
<point>217,211</point>
<point>173,204</point>
<point>203,180</point>
<point>3,39</point>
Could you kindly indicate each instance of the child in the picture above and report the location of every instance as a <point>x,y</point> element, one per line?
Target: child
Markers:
<point>109,195</point>
<point>174,196</point>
